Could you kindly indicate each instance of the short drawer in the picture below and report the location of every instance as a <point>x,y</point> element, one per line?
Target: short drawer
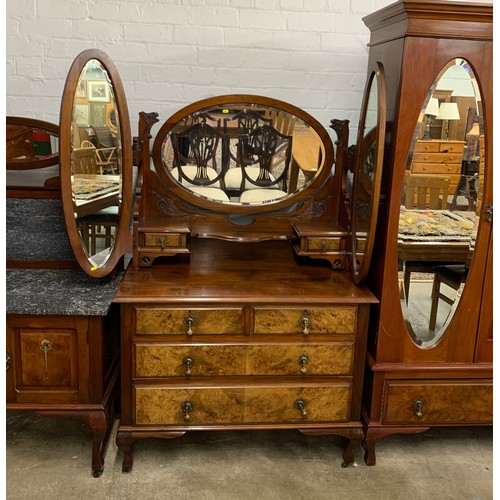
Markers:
<point>164,360</point>
<point>164,240</point>
<point>438,401</point>
<point>451,147</point>
<point>340,320</point>
<point>427,146</point>
<point>241,405</point>
<point>189,322</point>
<point>321,244</point>
<point>436,168</point>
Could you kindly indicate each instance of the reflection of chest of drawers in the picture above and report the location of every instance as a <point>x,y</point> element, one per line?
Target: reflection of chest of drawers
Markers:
<point>268,344</point>
<point>438,158</point>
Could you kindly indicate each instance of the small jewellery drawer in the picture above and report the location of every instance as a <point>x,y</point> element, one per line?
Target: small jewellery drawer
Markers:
<point>163,240</point>
<point>152,321</point>
<point>166,360</point>
<point>432,401</point>
<point>322,244</point>
<point>242,405</point>
<point>340,320</point>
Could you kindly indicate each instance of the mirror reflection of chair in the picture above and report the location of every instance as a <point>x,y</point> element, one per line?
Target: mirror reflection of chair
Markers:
<point>256,152</point>
<point>99,227</point>
<point>246,121</point>
<point>467,184</point>
<point>423,192</point>
<point>107,149</point>
<point>196,148</point>
<point>84,161</point>
<point>452,275</point>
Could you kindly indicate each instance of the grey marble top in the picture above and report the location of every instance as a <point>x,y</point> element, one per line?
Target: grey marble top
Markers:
<point>35,230</point>
<point>59,292</point>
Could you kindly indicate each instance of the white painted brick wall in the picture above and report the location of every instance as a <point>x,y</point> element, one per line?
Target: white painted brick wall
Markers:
<point>311,53</point>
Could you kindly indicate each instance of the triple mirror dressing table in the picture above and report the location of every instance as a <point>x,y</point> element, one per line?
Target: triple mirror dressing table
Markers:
<point>241,308</point>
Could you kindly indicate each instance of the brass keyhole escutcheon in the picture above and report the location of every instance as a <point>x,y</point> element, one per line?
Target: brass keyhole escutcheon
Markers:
<point>162,243</point>
<point>189,321</point>
<point>305,322</point>
<point>302,361</point>
<point>187,407</point>
<point>300,405</point>
<point>45,347</point>
<point>418,406</point>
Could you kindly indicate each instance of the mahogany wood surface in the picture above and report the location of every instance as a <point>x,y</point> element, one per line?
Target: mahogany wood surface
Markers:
<point>414,41</point>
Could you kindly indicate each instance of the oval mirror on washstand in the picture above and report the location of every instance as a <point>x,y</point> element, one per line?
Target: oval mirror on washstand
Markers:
<point>96,163</point>
<point>441,202</point>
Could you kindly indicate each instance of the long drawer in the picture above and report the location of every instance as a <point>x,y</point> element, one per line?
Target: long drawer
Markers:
<point>167,360</point>
<point>242,405</point>
<point>438,401</point>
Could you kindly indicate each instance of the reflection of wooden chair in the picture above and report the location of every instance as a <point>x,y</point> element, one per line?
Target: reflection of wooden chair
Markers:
<point>107,149</point>
<point>84,161</point>
<point>423,192</point>
<point>261,147</point>
<point>204,146</point>
<point>102,226</point>
<point>426,192</point>
<point>247,120</point>
<point>452,275</point>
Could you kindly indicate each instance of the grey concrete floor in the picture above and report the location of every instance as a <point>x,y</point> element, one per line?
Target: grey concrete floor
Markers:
<point>50,459</point>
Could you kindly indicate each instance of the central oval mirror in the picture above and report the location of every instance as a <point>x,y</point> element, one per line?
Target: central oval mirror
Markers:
<point>95,161</point>
<point>242,151</point>
<point>440,206</point>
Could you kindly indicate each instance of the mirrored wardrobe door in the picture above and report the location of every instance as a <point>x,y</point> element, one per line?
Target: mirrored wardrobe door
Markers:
<point>441,203</point>
<point>96,163</point>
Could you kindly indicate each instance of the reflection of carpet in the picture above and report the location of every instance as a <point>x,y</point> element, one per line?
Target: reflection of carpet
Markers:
<point>86,189</point>
<point>436,225</point>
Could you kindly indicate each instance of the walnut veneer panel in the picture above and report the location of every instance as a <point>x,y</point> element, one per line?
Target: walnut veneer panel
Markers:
<point>276,321</point>
<point>173,321</point>
<point>451,401</point>
<point>165,360</point>
<point>163,406</point>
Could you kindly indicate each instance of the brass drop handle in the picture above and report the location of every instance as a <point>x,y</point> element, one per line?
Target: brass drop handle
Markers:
<point>187,407</point>
<point>189,322</point>
<point>188,363</point>
<point>300,405</point>
<point>162,243</point>
<point>45,347</point>
<point>8,360</point>
<point>305,322</point>
<point>324,245</point>
<point>302,361</point>
<point>418,406</point>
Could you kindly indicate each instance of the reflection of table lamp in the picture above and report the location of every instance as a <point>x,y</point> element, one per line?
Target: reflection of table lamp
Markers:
<point>448,111</point>
<point>432,109</point>
<point>473,140</point>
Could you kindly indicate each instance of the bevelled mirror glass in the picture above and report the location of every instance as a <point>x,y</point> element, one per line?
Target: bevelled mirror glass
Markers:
<point>367,173</point>
<point>241,151</point>
<point>95,159</point>
<point>440,205</point>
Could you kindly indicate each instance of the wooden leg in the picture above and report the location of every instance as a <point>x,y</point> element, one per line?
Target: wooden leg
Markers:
<point>124,441</point>
<point>435,299</point>
<point>406,279</point>
<point>374,434</point>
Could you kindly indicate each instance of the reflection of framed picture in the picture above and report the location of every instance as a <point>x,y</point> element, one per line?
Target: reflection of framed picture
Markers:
<point>98,91</point>
<point>98,114</point>
<point>81,90</point>
<point>81,115</point>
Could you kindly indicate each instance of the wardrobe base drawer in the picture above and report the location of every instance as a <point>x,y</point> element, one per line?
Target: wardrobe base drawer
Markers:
<point>241,405</point>
<point>438,401</point>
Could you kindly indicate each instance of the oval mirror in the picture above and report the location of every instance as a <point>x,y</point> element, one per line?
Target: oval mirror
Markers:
<point>96,166</point>
<point>235,153</point>
<point>442,193</point>
<point>367,173</point>
<point>32,152</point>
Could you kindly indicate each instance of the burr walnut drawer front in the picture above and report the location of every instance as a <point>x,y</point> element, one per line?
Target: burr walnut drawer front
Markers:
<point>166,360</point>
<point>338,320</point>
<point>242,405</point>
<point>432,401</point>
<point>321,244</point>
<point>156,321</point>
<point>164,240</point>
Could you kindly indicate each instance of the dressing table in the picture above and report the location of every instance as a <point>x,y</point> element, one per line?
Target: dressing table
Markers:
<point>241,308</point>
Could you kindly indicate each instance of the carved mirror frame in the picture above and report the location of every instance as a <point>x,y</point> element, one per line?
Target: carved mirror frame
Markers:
<point>123,235</point>
<point>377,77</point>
